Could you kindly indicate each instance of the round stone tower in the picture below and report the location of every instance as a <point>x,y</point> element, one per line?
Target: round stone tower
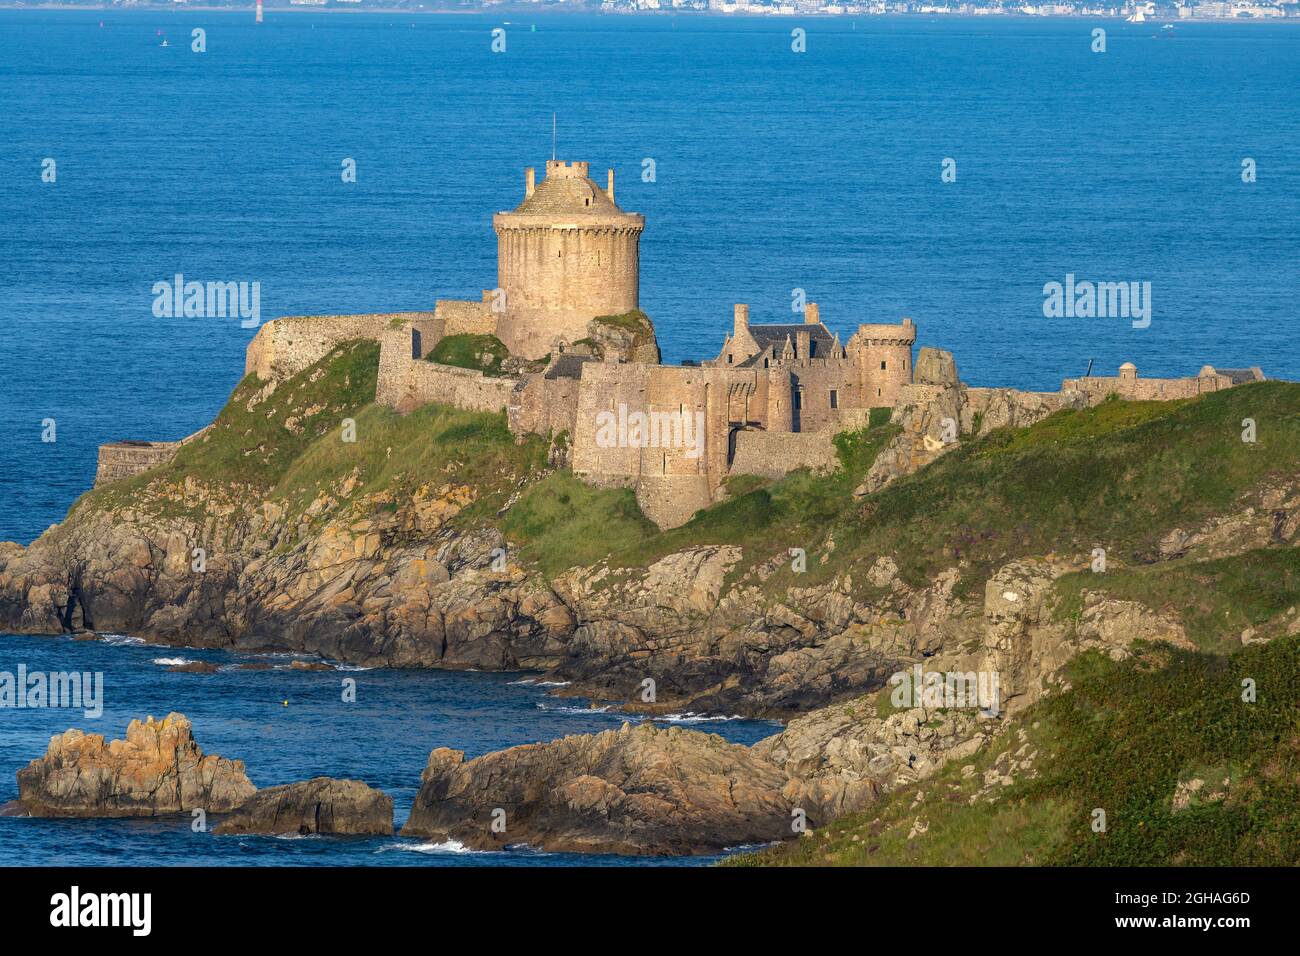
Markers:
<point>567,254</point>
<point>884,356</point>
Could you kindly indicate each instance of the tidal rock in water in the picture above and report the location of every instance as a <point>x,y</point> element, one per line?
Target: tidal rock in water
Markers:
<point>157,769</point>
<point>194,667</point>
<point>634,791</point>
<point>320,805</point>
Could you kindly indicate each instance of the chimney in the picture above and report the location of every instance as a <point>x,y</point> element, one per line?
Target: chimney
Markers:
<point>811,314</point>
<point>530,180</point>
<point>742,320</point>
<point>609,190</point>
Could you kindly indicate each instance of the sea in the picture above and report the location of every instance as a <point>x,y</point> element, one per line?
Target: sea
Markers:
<point>942,169</point>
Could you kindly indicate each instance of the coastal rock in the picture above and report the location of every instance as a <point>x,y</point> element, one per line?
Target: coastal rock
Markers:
<point>321,805</point>
<point>157,768</point>
<point>843,758</point>
<point>935,412</point>
<point>935,367</point>
<point>633,791</point>
<point>194,667</point>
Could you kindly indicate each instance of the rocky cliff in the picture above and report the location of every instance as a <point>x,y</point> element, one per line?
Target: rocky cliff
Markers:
<point>307,519</point>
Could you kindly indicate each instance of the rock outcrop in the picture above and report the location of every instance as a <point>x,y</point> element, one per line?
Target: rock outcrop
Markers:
<point>843,758</point>
<point>937,410</point>
<point>156,769</point>
<point>633,791</point>
<point>321,805</point>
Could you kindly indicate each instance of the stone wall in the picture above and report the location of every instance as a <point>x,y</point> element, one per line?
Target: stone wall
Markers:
<point>406,385</point>
<point>286,346</point>
<point>773,454</point>
<point>125,459</point>
<point>1129,385</point>
<point>544,404</point>
<point>464,317</point>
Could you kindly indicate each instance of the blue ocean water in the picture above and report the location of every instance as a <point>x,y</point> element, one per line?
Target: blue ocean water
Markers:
<point>384,738</point>
<point>774,171</point>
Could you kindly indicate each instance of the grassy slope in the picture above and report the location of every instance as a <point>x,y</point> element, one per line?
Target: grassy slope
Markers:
<point>289,448</point>
<point>483,353</point>
<point>1214,600</point>
<point>1118,475</point>
<point>1163,716</point>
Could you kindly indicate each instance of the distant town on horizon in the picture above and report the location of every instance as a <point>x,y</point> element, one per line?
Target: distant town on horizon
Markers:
<point>1129,10</point>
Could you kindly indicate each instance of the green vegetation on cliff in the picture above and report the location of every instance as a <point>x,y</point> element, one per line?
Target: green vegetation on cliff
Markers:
<point>1215,601</point>
<point>482,353</point>
<point>290,448</point>
<point>1168,718</point>
<point>1119,475</point>
<point>256,437</point>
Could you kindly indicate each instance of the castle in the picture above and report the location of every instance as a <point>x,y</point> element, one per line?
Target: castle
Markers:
<point>582,362</point>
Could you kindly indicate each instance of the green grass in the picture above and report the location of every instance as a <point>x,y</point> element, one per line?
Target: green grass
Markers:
<point>482,353</point>
<point>254,441</point>
<point>1164,716</point>
<point>1119,475</point>
<point>394,455</point>
<point>1214,600</point>
<point>289,449</point>
<point>767,517</point>
<point>562,522</point>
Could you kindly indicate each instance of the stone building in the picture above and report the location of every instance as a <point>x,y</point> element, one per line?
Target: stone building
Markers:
<point>583,364</point>
<point>828,379</point>
<point>565,255</point>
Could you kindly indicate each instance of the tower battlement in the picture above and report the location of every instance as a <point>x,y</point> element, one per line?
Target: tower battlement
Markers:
<point>578,169</point>
<point>565,255</point>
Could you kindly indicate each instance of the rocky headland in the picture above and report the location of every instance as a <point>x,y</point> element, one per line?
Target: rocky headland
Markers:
<point>977,531</point>
<point>640,791</point>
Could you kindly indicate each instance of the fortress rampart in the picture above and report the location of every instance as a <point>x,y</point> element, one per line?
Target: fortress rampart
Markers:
<point>407,380</point>
<point>286,346</point>
<point>1128,385</point>
<point>771,401</point>
<point>773,454</point>
<point>125,459</point>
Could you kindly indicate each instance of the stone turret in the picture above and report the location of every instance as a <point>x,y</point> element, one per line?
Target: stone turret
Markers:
<point>884,356</point>
<point>565,255</point>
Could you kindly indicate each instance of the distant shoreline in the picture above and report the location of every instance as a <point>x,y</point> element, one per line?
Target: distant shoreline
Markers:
<point>498,12</point>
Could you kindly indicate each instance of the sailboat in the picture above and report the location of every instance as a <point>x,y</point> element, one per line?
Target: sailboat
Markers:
<point>1137,17</point>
